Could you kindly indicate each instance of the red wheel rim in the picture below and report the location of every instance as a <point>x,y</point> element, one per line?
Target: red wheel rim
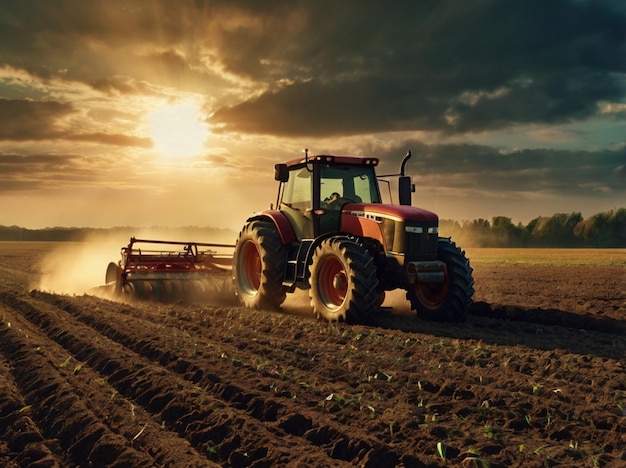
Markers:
<point>251,267</point>
<point>333,283</point>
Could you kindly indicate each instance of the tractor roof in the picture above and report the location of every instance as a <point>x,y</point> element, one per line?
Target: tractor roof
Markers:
<point>330,159</point>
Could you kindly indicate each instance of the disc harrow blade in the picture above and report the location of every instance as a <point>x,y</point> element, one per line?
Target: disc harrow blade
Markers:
<point>207,289</point>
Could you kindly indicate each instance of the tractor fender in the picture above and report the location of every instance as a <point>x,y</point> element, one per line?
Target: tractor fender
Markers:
<point>283,226</point>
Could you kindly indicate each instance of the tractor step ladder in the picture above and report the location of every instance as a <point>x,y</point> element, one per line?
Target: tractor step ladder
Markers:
<point>296,264</point>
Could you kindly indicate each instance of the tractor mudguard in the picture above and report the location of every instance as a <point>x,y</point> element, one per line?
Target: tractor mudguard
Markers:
<point>287,234</point>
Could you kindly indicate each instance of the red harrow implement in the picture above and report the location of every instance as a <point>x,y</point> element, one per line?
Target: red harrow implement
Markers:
<point>171,270</point>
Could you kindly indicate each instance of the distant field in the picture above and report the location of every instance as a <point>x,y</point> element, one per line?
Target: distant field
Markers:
<point>609,257</point>
<point>612,257</point>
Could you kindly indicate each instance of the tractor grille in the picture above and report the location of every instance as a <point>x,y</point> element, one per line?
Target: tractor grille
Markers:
<point>416,241</point>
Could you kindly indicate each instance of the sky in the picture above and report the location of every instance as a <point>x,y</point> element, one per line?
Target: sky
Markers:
<point>163,113</point>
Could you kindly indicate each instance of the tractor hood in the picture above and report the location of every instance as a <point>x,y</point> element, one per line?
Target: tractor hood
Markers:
<point>394,212</point>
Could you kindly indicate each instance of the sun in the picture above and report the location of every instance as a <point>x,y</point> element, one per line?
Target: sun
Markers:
<point>177,130</point>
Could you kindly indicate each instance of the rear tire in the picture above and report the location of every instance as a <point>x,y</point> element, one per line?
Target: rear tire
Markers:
<point>343,281</point>
<point>448,301</point>
<point>259,266</point>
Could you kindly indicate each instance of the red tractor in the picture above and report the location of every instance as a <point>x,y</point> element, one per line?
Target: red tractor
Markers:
<point>331,233</point>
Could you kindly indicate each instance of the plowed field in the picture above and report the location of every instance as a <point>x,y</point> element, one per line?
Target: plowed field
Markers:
<point>535,377</point>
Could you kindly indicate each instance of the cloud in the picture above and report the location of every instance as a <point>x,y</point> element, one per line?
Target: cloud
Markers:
<point>112,139</point>
<point>30,120</point>
<point>473,167</point>
<point>337,68</point>
<point>31,173</point>
<point>78,79</point>
<point>27,120</point>
<point>519,62</point>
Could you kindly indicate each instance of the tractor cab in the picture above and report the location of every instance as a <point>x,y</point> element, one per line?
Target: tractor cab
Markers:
<point>314,190</point>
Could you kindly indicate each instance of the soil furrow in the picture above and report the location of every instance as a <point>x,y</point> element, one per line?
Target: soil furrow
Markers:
<point>55,405</point>
<point>419,398</point>
<point>22,440</point>
<point>205,418</point>
<point>258,397</point>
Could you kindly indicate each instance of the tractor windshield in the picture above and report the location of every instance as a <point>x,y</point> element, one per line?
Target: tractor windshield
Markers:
<point>354,183</point>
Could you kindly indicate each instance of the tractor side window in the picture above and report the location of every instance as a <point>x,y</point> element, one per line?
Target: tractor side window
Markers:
<point>297,193</point>
<point>361,185</point>
<point>365,187</point>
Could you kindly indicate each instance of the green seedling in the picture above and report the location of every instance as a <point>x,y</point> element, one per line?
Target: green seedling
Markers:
<point>77,369</point>
<point>490,431</point>
<point>441,450</point>
<point>24,408</point>
<point>474,451</point>
<point>66,362</point>
<point>541,450</point>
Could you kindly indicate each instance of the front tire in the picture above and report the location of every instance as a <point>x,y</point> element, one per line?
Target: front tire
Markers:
<point>343,281</point>
<point>448,301</point>
<point>259,266</point>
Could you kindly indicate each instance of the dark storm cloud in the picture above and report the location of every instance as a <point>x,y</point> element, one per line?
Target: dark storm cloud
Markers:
<point>323,67</point>
<point>451,66</point>
<point>482,168</point>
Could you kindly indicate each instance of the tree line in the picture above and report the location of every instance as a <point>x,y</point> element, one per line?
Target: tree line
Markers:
<point>602,230</point>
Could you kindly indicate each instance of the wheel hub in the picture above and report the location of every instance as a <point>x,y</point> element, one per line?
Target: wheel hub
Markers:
<point>339,282</point>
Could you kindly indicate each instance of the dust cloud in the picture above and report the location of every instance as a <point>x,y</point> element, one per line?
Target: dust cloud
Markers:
<point>76,267</point>
<point>79,267</point>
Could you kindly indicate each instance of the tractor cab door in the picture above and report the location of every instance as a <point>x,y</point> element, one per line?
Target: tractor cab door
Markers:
<point>296,202</point>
